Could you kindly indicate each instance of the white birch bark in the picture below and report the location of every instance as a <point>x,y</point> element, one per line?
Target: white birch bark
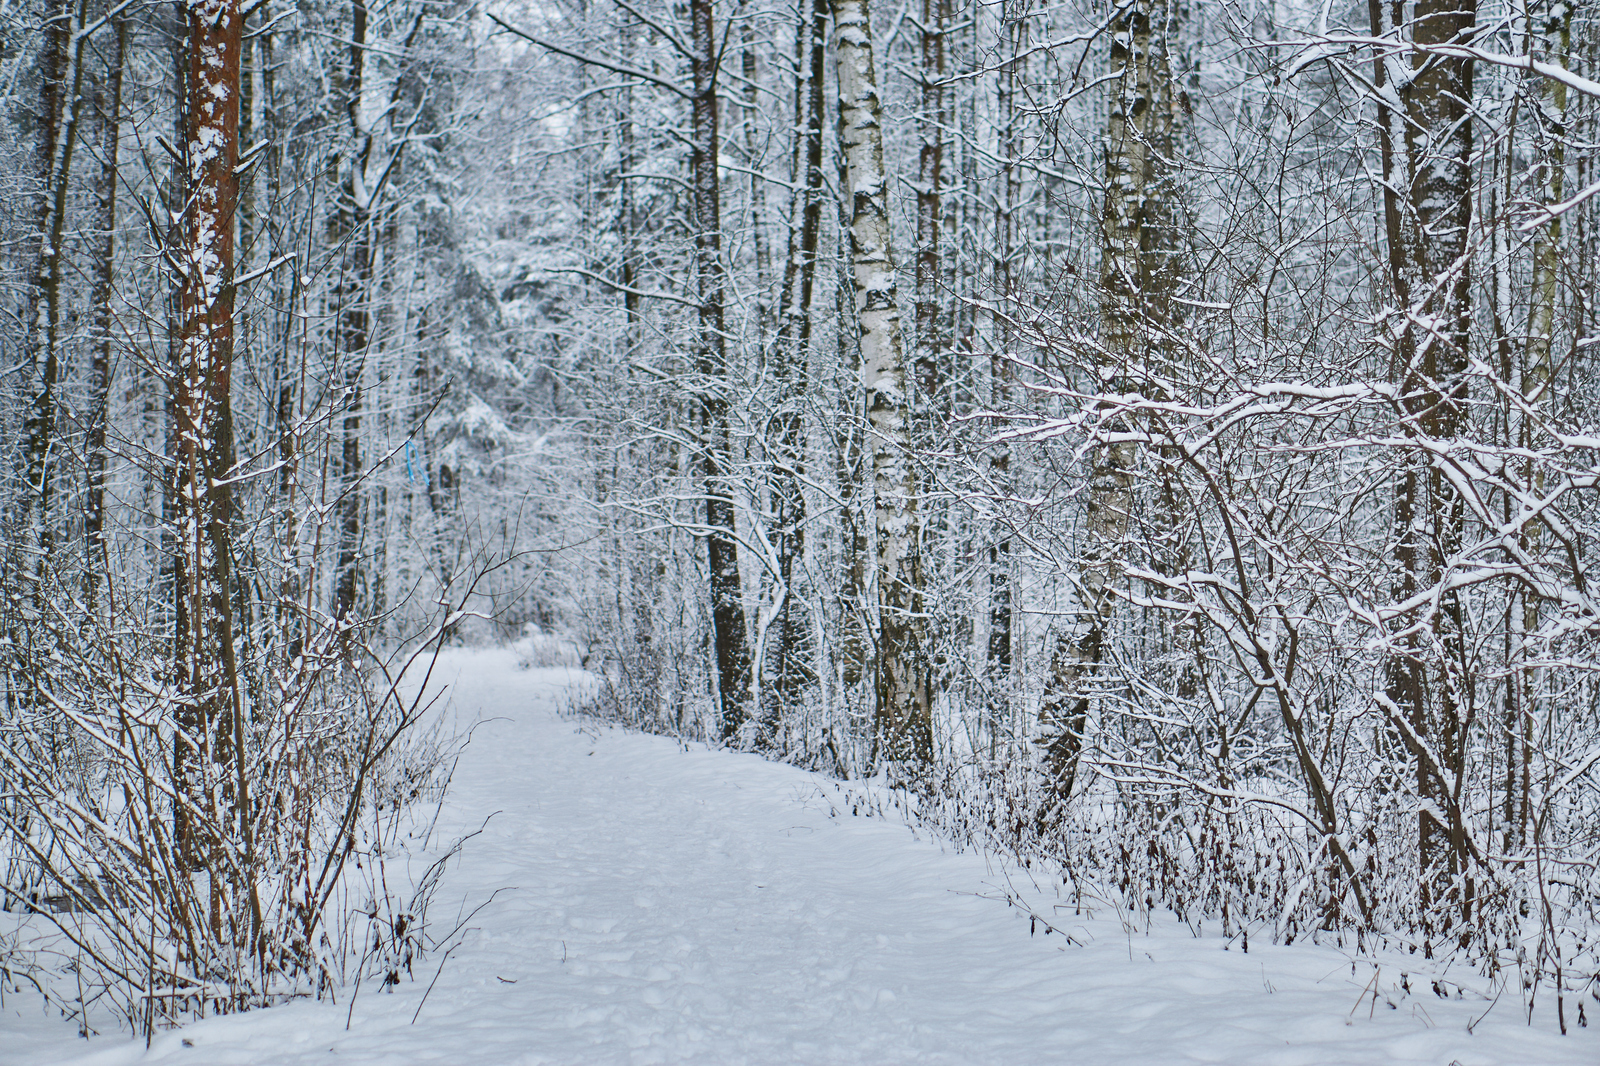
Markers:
<point>902,723</point>
<point>1135,129</point>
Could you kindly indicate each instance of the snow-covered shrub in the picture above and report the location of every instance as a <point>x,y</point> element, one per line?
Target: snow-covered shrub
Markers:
<point>122,910</point>
<point>536,648</point>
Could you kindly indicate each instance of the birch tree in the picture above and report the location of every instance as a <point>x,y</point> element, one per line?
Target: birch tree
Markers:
<point>903,724</point>
<point>1137,146</point>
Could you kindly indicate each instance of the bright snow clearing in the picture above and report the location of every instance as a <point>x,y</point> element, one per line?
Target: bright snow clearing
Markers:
<point>657,905</point>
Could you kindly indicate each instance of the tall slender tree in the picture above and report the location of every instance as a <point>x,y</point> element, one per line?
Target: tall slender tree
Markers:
<point>903,722</point>
<point>211,781</point>
<point>792,351</point>
<point>1005,268</point>
<point>61,70</point>
<point>352,237</point>
<point>714,452</point>
<point>106,95</point>
<point>1426,151</point>
<point>932,124</point>
<point>1132,300</point>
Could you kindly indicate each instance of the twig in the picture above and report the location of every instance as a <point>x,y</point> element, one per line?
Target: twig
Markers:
<point>435,980</point>
<point>1473,1024</point>
<point>1373,985</point>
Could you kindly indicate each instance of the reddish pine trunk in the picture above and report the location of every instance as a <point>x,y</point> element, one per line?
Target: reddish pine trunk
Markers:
<point>209,773</point>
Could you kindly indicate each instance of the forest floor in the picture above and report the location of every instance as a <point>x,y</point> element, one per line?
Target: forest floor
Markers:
<point>647,903</point>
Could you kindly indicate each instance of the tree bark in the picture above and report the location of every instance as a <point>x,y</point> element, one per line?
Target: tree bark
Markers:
<point>1551,28</point>
<point>1426,152</point>
<point>1007,250</point>
<point>353,222</point>
<point>931,120</point>
<point>107,97</point>
<point>60,107</point>
<point>209,772</point>
<point>1134,280</point>
<point>758,181</point>
<point>792,350</point>
<point>903,724</point>
<point>714,451</point>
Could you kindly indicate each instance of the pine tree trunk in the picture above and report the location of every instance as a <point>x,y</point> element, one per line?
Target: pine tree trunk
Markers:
<point>210,778</point>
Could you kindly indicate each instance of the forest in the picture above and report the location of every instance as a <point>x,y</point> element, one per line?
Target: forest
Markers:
<point>1157,440</point>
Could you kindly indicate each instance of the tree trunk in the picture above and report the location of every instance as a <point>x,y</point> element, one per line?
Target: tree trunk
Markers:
<point>714,450</point>
<point>1426,150</point>
<point>210,779</point>
<point>792,352</point>
<point>1132,290</point>
<point>628,222</point>
<point>1004,271</point>
<point>61,105</point>
<point>354,232</point>
<point>903,724</point>
<point>107,97</point>
<point>931,120</point>
<point>854,652</point>
<point>1552,28</point>
<point>758,181</point>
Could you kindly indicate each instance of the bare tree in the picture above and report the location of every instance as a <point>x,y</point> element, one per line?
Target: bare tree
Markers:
<point>903,727</point>
<point>1426,152</point>
<point>1133,286</point>
<point>107,100</point>
<point>713,450</point>
<point>792,352</point>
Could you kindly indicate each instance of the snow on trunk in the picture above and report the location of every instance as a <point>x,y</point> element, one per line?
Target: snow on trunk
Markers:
<point>903,730</point>
<point>213,805</point>
<point>1426,148</point>
<point>714,448</point>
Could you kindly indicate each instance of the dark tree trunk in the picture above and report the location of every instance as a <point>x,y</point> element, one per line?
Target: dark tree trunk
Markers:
<point>107,97</point>
<point>60,105</point>
<point>789,668</point>
<point>1426,152</point>
<point>714,449</point>
<point>933,119</point>
<point>353,221</point>
<point>1007,251</point>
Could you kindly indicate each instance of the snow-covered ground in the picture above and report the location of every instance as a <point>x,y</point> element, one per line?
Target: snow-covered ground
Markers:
<point>659,905</point>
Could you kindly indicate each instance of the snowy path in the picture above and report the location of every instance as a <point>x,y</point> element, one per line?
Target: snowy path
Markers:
<point>665,906</point>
